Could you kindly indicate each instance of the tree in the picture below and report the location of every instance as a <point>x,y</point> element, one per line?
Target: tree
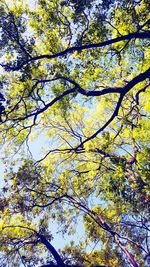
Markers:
<point>77,74</point>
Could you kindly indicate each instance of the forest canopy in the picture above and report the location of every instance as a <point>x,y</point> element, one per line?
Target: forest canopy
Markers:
<point>75,76</point>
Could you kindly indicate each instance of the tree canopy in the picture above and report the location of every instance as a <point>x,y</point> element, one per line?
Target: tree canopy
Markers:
<point>76,75</point>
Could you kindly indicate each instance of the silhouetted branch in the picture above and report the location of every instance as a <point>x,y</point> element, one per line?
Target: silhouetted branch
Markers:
<point>135,35</point>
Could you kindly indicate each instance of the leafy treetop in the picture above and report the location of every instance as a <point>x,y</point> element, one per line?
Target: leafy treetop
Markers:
<point>75,73</point>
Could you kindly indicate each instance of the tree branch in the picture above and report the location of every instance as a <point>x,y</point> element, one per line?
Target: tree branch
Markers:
<point>44,241</point>
<point>58,259</point>
<point>139,35</point>
<point>139,78</point>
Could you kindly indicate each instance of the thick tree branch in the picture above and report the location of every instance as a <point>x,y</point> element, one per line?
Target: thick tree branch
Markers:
<point>139,35</point>
<point>87,93</point>
<point>122,91</point>
<point>44,241</point>
<point>51,249</point>
<point>139,78</point>
<point>127,253</point>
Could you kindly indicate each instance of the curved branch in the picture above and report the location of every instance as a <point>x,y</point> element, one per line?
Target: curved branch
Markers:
<point>139,35</point>
<point>115,113</point>
<point>52,250</point>
<point>139,78</point>
<point>36,113</point>
<point>87,93</point>
<point>44,241</point>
